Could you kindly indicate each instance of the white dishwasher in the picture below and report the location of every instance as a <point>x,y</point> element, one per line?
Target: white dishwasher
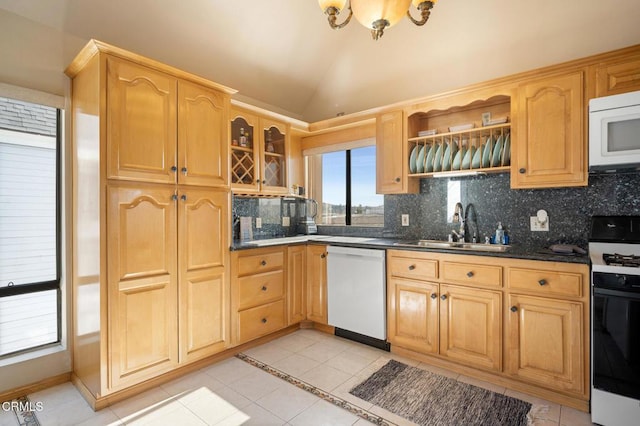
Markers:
<point>356,294</point>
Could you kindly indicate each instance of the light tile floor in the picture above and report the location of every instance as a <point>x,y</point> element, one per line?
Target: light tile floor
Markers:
<point>233,392</point>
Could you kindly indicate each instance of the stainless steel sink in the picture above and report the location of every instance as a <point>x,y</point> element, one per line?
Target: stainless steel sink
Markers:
<point>454,245</point>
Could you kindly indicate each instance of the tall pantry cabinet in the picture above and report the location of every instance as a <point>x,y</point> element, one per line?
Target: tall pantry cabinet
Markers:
<point>150,219</point>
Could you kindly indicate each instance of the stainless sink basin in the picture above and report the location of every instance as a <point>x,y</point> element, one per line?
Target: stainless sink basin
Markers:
<point>454,245</point>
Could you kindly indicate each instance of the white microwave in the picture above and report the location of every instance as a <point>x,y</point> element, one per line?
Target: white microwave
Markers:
<point>614,132</point>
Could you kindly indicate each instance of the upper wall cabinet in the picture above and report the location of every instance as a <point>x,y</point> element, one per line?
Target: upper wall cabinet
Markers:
<point>161,129</point>
<point>549,146</point>
<point>448,140</point>
<point>259,154</point>
<point>392,169</point>
<point>617,77</point>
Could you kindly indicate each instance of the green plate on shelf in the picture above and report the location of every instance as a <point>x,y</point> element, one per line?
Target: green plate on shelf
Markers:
<point>420,159</point>
<point>457,160</point>
<point>497,151</point>
<point>428,163</point>
<point>412,159</point>
<point>437,160</point>
<point>506,151</point>
<point>477,158</point>
<point>486,153</point>
<point>468,155</point>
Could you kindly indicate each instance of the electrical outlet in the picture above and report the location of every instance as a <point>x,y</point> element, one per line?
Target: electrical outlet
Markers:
<point>405,220</point>
<point>258,222</point>
<point>286,220</point>
<point>537,226</point>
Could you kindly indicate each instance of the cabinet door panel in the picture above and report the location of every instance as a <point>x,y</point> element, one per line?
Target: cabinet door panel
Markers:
<point>204,292</point>
<point>142,283</point>
<point>141,123</point>
<point>245,163</point>
<point>296,284</point>
<point>413,315</point>
<point>391,176</point>
<point>202,136</point>
<point>317,284</point>
<point>549,147</point>
<point>545,342</point>
<point>470,326</point>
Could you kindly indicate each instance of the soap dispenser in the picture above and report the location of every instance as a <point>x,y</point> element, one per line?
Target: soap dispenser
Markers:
<point>499,238</point>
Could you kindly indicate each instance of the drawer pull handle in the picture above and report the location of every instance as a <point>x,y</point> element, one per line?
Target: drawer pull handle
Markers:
<point>264,288</point>
<point>263,263</point>
<point>264,320</point>
<point>470,274</point>
<point>434,296</point>
<point>412,267</point>
<point>542,282</point>
<point>522,170</point>
<point>514,309</point>
<point>443,297</point>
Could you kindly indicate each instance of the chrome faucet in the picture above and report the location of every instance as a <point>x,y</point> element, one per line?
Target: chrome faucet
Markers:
<point>459,217</point>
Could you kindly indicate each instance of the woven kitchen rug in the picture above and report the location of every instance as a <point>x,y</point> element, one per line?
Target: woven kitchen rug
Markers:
<point>430,399</point>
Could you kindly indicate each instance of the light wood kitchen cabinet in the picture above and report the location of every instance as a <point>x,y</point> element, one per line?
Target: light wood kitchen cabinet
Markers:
<point>545,342</point>
<point>143,279</point>
<point>259,153</point>
<point>522,322</point>
<point>619,76</point>
<point>471,326</point>
<point>258,292</point>
<point>413,314</point>
<point>391,165</point>
<point>150,249</point>
<point>317,284</point>
<point>203,296</point>
<point>161,129</point>
<point>549,145</point>
<point>296,284</point>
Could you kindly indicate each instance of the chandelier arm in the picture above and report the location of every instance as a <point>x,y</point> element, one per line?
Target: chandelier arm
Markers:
<point>332,13</point>
<point>425,11</point>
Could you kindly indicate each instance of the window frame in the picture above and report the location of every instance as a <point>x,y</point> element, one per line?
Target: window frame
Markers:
<point>54,284</point>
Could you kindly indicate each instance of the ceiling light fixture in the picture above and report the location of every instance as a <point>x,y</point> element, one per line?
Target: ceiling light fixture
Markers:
<point>376,14</point>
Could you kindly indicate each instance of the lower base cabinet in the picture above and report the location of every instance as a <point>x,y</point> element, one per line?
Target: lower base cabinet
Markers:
<point>317,284</point>
<point>528,323</point>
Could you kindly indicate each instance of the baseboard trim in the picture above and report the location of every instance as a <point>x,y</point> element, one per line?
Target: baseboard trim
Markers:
<point>34,387</point>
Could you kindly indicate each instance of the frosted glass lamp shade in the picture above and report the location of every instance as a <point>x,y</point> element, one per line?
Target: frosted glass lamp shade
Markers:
<point>338,4</point>
<point>369,11</point>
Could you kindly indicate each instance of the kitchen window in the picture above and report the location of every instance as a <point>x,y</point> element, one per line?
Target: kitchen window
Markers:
<point>345,187</point>
<point>30,263</point>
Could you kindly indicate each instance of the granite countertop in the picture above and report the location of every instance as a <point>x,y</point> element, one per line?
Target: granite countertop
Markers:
<point>515,251</point>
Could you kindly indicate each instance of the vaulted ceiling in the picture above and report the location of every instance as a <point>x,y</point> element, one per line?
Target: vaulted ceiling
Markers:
<point>282,55</point>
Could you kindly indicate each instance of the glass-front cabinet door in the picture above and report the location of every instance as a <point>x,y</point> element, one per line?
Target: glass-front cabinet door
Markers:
<point>274,151</point>
<point>245,167</point>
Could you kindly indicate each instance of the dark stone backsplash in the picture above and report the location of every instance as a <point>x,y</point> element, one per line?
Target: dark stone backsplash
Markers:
<point>569,210</point>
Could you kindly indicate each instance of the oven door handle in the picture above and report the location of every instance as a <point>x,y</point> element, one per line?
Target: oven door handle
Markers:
<point>616,293</point>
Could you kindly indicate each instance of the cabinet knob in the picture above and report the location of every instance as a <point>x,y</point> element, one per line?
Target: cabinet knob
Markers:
<point>542,282</point>
<point>522,170</point>
<point>264,320</point>
<point>434,296</point>
<point>323,255</point>
<point>412,267</point>
<point>174,169</point>
<point>183,197</point>
<point>184,170</point>
<point>263,263</point>
<point>443,297</point>
<point>174,197</point>
<point>264,182</point>
<point>257,180</point>
<point>470,274</point>
<point>514,309</point>
<point>264,288</point>
<point>398,179</point>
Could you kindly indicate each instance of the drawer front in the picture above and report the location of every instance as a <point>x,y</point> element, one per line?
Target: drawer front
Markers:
<point>546,282</point>
<point>258,263</point>
<point>471,273</point>
<point>260,288</point>
<point>419,269</point>
<point>261,320</point>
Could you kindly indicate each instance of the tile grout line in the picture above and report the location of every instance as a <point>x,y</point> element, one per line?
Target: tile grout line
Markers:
<point>352,408</point>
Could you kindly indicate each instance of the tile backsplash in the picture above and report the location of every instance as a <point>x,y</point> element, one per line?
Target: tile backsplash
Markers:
<point>492,200</point>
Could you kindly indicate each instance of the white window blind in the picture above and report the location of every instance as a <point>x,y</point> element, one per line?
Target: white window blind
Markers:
<point>27,211</point>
